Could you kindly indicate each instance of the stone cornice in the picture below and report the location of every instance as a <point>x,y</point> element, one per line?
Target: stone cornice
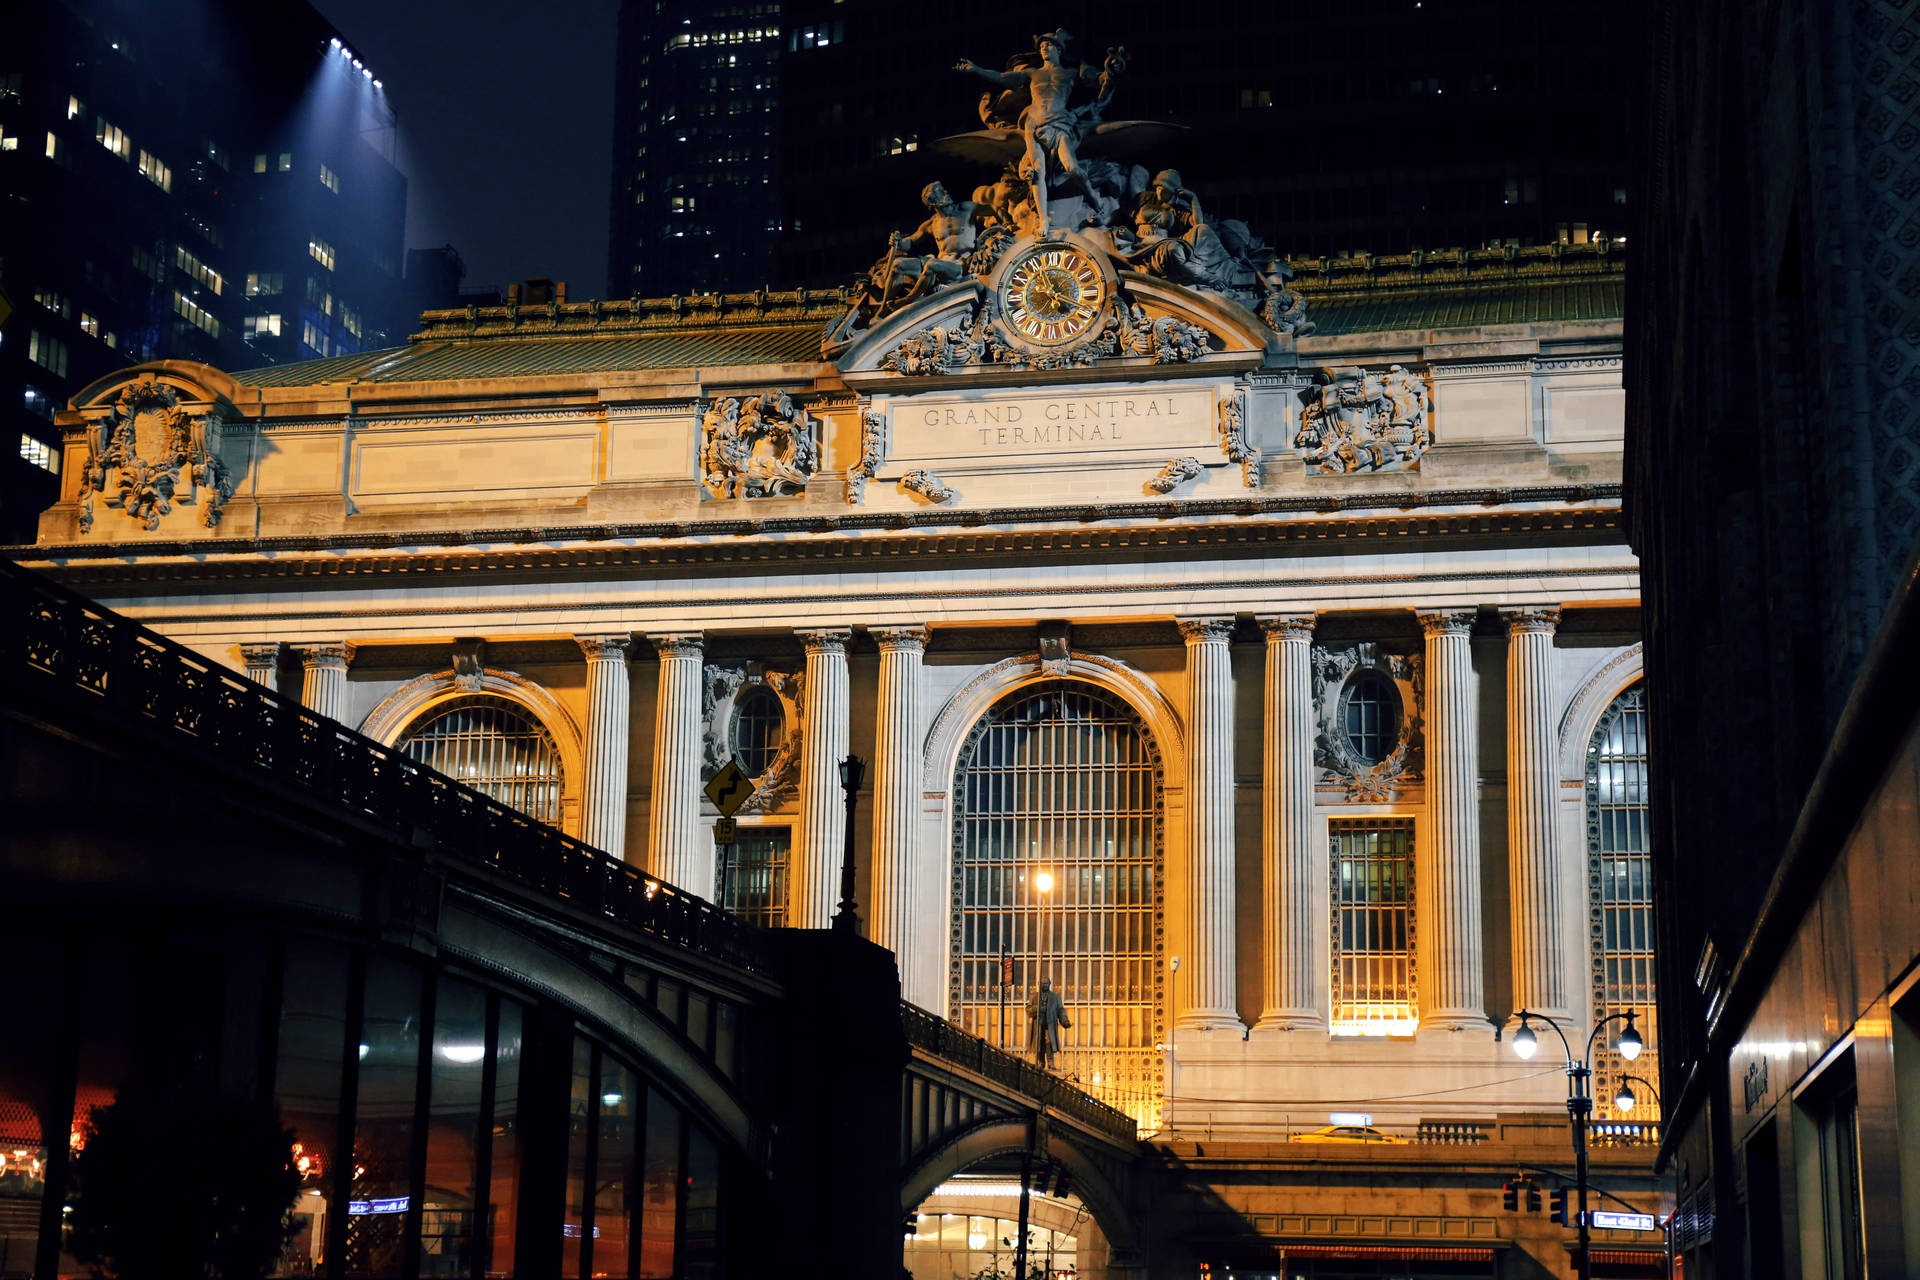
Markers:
<point>278,560</point>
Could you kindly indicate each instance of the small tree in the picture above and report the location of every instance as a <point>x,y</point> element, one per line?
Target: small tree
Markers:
<point>177,1179</point>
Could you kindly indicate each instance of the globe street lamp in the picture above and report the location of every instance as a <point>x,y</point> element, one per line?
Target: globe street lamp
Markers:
<point>1579,1097</point>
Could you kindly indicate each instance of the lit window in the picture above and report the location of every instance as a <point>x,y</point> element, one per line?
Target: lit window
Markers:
<point>48,352</point>
<point>314,338</point>
<point>39,453</point>
<point>260,164</point>
<point>329,179</point>
<point>754,875</point>
<point>56,147</point>
<point>112,138</point>
<point>1373,926</point>
<point>217,155</point>
<point>1620,879</point>
<point>75,108</point>
<point>37,403</point>
<point>321,252</point>
<point>9,141</point>
<point>265,283</point>
<point>195,314</point>
<point>200,271</point>
<point>153,171</point>
<point>90,323</point>
<point>493,746</point>
<point>350,321</point>
<point>55,302</point>
<point>261,326</point>
<point>286,161</point>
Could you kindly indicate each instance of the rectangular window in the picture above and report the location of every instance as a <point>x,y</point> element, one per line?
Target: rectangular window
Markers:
<point>39,453</point>
<point>314,338</point>
<point>90,323</point>
<point>329,179</point>
<point>318,298</point>
<point>456,1094</point>
<point>75,108</point>
<point>9,141</point>
<point>55,302</point>
<point>112,138</point>
<point>261,326</point>
<point>200,271</point>
<point>1373,991</point>
<point>153,171</point>
<point>260,164</point>
<point>350,321</point>
<point>265,283</point>
<point>321,252</point>
<point>56,148</point>
<point>754,875</point>
<point>48,352</point>
<point>37,403</point>
<point>218,155</point>
<point>307,1083</point>
<point>286,162</point>
<point>149,265</point>
<point>194,313</point>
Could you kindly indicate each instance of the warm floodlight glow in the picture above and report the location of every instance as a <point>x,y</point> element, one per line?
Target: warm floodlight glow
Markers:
<point>1525,1043</point>
<point>1629,1041</point>
<point>1044,882</point>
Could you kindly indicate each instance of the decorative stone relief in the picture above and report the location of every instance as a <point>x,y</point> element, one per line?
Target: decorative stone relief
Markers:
<point>1364,421</point>
<point>928,485</point>
<point>1056,647</point>
<point>1333,751</point>
<point>1175,474</point>
<point>1233,437</point>
<point>469,665</point>
<point>761,447</point>
<point>149,451</point>
<point>722,687</point>
<point>971,343</point>
<point>873,451</point>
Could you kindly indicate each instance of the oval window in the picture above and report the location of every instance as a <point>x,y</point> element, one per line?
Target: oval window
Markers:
<point>1370,716</point>
<point>759,727</point>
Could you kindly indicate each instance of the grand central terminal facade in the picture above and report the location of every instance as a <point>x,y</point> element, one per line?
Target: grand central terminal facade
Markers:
<point>1250,651</point>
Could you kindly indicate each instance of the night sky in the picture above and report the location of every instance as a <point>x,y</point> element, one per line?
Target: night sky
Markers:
<point>506,122</point>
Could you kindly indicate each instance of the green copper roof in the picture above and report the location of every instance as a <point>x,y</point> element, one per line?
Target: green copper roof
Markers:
<point>1593,299</point>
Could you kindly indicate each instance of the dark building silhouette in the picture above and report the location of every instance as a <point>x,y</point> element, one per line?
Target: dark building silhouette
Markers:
<point>196,181</point>
<point>1773,492</point>
<point>1330,129</point>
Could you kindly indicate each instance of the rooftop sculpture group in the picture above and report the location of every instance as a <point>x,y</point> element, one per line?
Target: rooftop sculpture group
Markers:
<point>1063,168</point>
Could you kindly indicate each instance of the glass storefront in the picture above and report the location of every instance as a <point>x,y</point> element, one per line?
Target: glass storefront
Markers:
<point>969,1246</point>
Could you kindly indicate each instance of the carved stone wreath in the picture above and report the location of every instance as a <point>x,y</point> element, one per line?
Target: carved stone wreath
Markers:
<point>721,691</point>
<point>761,447</point>
<point>1333,751</point>
<point>149,452</point>
<point>972,341</point>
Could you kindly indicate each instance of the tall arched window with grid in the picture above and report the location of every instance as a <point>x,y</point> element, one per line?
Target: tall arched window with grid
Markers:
<point>494,746</point>
<point>1620,893</point>
<point>1057,874</point>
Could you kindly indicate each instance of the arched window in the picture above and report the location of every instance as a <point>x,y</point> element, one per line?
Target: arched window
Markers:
<point>759,728</point>
<point>494,746</point>
<point>1620,897</point>
<point>1370,716</point>
<point>1060,782</point>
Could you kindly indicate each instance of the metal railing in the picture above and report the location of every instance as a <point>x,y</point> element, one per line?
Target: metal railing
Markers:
<point>57,642</point>
<point>939,1037</point>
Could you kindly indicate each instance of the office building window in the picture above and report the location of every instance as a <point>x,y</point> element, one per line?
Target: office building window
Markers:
<point>38,451</point>
<point>314,338</point>
<point>261,326</point>
<point>752,875</point>
<point>153,171</point>
<point>90,323</point>
<point>1373,991</point>
<point>321,252</point>
<point>1620,871</point>
<point>286,162</point>
<point>490,744</point>
<point>56,148</point>
<point>49,352</point>
<point>329,179</point>
<point>195,314</point>
<point>200,271</point>
<point>54,301</point>
<point>265,283</point>
<point>260,164</point>
<point>112,138</point>
<point>37,402</point>
<point>1057,874</point>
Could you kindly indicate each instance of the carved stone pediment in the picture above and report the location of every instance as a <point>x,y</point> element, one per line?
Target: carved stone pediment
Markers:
<point>1395,676</point>
<point>150,448</point>
<point>722,690</point>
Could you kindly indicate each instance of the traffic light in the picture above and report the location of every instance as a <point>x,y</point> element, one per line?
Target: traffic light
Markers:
<point>1559,1213</point>
<point>1510,1196</point>
<point>1533,1198</point>
<point>1062,1184</point>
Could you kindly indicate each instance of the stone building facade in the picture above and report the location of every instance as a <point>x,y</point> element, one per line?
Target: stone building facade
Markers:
<point>1271,688</point>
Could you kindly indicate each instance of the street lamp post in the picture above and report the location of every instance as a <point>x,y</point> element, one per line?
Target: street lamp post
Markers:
<point>1624,1102</point>
<point>853,771</point>
<point>1579,1099</point>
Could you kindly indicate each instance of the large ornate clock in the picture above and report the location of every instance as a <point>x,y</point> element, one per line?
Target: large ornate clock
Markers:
<point>1053,294</point>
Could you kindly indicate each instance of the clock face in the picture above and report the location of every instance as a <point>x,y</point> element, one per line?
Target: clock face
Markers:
<point>1053,295</point>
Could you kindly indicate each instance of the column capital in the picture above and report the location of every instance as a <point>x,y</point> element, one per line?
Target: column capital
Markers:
<point>899,639</point>
<point>1532,617</point>
<point>1204,630</point>
<point>678,644</point>
<point>607,648</point>
<point>1446,622</point>
<point>826,640</point>
<point>262,655</point>
<point>328,654</point>
<point>1287,626</point>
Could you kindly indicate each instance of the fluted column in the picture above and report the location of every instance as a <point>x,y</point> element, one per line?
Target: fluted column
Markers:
<point>1447,865</point>
<point>896,801</point>
<point>1289,960</point>
<point>1533,871</point>
<point>603,792</point>
<point>678,851</point>
<point>323,687</point>
<point>263,663</point>
<point>823,816</point>
<point>1207,979</point>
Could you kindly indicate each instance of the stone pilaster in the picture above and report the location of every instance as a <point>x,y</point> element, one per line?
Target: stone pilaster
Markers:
<point>263,663</point>
<point>603,792</point>
<point>323,687</point>
<point>896,806</point>
<point>1206,996</point>
<point>1289,958</point>
<point>1533,869</point>
<point>823,804</point>
<point>1447,861</point>
<point>678,851</point>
